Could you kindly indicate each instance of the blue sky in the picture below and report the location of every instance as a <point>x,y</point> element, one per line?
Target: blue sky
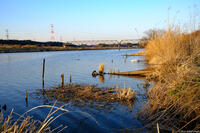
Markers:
<point>91,19</point>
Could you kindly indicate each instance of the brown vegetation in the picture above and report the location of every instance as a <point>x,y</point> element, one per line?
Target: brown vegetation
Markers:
<point>78,92</point>
<point>174,100</point>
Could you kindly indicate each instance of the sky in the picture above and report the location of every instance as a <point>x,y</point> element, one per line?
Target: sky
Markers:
<point>91,19</point>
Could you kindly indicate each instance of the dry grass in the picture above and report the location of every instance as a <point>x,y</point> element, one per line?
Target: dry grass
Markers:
<point>28,124</point>
<point>76,92</point>
<point>126,94</point>
<point>175,97</point>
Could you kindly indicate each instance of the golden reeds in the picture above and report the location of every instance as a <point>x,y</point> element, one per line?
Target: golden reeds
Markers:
<point>176,90</point>
<point>101,68</point>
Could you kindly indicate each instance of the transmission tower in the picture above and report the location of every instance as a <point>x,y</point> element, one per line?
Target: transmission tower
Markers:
<point>52,33</point>
<point>7,35</point>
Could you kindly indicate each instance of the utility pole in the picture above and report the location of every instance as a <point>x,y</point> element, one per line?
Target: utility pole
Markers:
<point>52,33</point>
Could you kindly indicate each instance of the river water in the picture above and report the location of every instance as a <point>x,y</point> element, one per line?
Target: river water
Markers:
<point>20,72</point>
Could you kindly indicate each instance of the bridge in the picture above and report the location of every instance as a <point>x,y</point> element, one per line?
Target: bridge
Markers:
<point>96,42</point>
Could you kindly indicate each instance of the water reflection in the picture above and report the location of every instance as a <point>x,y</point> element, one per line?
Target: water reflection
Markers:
<point>26,101</point>
<point>101,78</point>
<point>43,83</point>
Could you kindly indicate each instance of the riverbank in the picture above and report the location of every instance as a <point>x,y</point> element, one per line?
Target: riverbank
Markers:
<point>174,99</point>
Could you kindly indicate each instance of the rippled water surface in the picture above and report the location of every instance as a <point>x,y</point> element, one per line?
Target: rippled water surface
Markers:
<point>23,71</point>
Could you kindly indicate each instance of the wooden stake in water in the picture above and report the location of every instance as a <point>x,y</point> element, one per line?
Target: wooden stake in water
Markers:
<point>26,95</point>
<point>43,69</point>
<point>70,78</point>
<point>62,80</point>
<point>26,98</point>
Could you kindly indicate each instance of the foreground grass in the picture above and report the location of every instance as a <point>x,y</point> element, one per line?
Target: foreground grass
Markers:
<point>174,100</point>
<point>28,124</point>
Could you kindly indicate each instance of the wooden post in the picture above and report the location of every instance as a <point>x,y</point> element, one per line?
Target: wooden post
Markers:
<point>26,98</point>
<point>62,80</point>
<point>43,68</point>
<point>26,95</point>
<point>70,78</point>
<point>43,84</point>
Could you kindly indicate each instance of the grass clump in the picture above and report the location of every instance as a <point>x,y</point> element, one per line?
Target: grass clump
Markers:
<point>174,100</point>
<point>126,94</point>
<point>85,93</point>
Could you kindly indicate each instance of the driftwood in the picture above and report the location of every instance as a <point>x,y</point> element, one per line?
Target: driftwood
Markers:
<point>139,53</point>
<point>141,73</point>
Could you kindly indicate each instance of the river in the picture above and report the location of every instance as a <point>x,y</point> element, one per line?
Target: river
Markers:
<point>20,72</point>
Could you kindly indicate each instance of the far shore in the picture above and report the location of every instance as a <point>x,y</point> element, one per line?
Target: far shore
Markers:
<point>14,46</point>
<point>45,49</point>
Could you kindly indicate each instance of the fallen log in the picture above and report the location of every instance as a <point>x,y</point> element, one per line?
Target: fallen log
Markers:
<point>142,73</point>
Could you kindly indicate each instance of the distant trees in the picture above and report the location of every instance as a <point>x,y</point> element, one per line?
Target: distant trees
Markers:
<point>150,35</point>
<point>29,42</point>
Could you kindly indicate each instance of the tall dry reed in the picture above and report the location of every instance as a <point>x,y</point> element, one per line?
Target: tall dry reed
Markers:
<point>175,97</point>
